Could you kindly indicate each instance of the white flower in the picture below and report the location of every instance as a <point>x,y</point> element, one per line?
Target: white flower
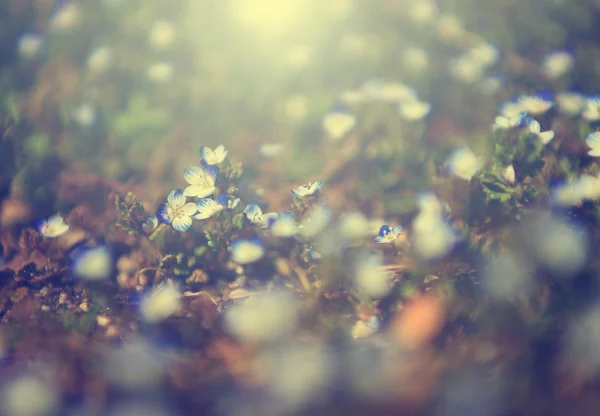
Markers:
<point>371,278</point>
<point>176,211</point>
<point>593,142</point>
<point>466,69</point>
<point>509,174</point>
<point>535,128</point>
<point>485,53</point>
<point>256,216</point>
<point>30,45</point>
<point>393,92</point>
<point>422,11</point>
<point>93,263</point>
<point>415,59</point>
<point>512,109</point>
<point>354,226</point>
<point>213,157</point>
<point>162,34</point>
<point>414,110</point>
<point>269,150</point>
<point>208,207</point>
<point>84,114</point>
<point>464,163</point>
<point>557,64</point>
<point>54,227</point>
<point>338,124</point>
<point>202,180</point>
<point>507,123</point>
<point>591,111</point>
<point>160,303</point>
<point>247,251</point>
<point>570,103</point>
<point>536,104</point>
<point>66,17</point>
<point>307,190</point>
<point>100,60</point>
<point>284,226</point>
<point>160,72</point>
<point>315,222</point>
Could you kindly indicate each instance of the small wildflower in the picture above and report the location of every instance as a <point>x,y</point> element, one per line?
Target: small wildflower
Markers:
<point>232,203</point>
<point>388,234</point>
<point>176,211</point>
<point>310,189</point>
<point>464,163</point>
<point>284,226</point>
<point>509,174</point>
<point>315,256</point>
<point>99,60</point>
<point>414,110</point>
<point>338,124</point>
<point>485,53</point>
<point>54,227</point>
<point>535,128</point>
<point>513,108</point>
<point>491,85</point>
<point>208,207</point>
<point>508,122</point>
<point>202,180</point>
<point>593,142</point>
<point>95,263</point>
<point>557,64</point>
<point>393,92</point>
<point>591,110</point>
<point>315,222</point>
<point>570,103</point>
<point>422,11</point>
<point>84,115</point>
<point>162,34</point>
<point>466,69</point>
<point>247,251</point>
<point>213,157</point>
<point>270,150</point>
<point>256,216</point>
<point>66,18</point>
<point>160,72</point>
<point>30,45</point>
<point>536,104</point>
<point>415,59</point>
<point>160,303</point>
<point>354,226</point>
<point>371,278</point>
<point>150,224</point>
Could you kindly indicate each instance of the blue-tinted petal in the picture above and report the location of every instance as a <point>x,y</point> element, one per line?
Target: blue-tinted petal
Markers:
<point>222,199</point>
<point>182,223</point>
<point>194,175</point>
<point>212,171</point>
<point>162,213</point>
<point>247,251</point>
<point>205,152</point>
<point>176,198</point>
<point>207,208</point>
<point>380,239</point>
<point>252,211</point>
<point>316,186</point>
<point>397,229</point>
<point>384,230</point>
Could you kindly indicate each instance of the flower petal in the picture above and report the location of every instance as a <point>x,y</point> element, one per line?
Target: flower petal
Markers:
<point>182,223</point>
<point>206,153</point>
<point>253,212</point>
<point>222,199</point>
<point>247,251</point>
<point>211,173</point>
<point>176,199</point>
<point>194,175</point>
<point>188,209</point>
<point>163,214</point>
<point>207,208</point>
<point>199,191</point>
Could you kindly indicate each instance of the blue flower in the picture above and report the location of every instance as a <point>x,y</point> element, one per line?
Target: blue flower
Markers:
<point>307,190</point>
<point>202,180</point>
<point>150,224</point>
<point>388,234</point>
<point>213,157</point>
<point>207,207</point>
<point>54,227</point>
<point>247,251</point>
<point>176,211</point>
<point>535,128</point>
<point>256,216</point>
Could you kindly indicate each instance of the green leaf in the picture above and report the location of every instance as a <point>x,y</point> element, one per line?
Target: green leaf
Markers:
<point>494,187</point>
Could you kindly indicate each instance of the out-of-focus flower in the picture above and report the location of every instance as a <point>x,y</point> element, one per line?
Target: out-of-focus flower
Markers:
<point>150,224</point>
<point>338,123</point>
<point>310,189</point>
<point>66,18</point>
<point>257,217</point>
<point>354,226</point>
<point>508,122</point>
<point>433,237</point>
<point>450,27</point>
<point>414,110</point>
<point>54,227</point>
<point>585,187</point>
<point>513,108</point>
<point>591,110</point>
<point>99,60</point>
<point>95,263</point>
<point>466,69</point>
<point>162,302</point>
<point>213,157</point>
<point>485,53</point>
<point>535,128</point>
<point>162,34</point>
<point>570,103</point>
<point>176,211</point>
<point>415,59</point>
<point>593,142</point>
<point>388,234</point>
<point>463,163</point>
<point>536,104</point>
<point>284,226</point>
<point>271,149</point>
<point>247,251</point>
<point>315,256</point>
<point>160,72</point>
<point>557,64</point>
<point>509,174</point>
<point>315,222</point>
<point>202,180</point>
<point>422,11</point>
<point>491,85</point>
<point>207,207</point>
<point>392,92</point>
<point>84,114</point>
<point>27,395</point>
<point>296,107</point>
<point>371,278</point>
<point>30,45</point>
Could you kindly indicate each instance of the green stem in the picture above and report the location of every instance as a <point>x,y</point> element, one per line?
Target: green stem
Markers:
<point>157,231</point>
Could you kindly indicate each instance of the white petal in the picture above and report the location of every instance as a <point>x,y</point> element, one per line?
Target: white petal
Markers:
<point>246,251</point>
<point>194,175</point>
<point>207,208</point>
<point>188,209</point>
<point>546,136</point>
<point>176,199</point>
<point>182,223</point>
<point>199,191</point>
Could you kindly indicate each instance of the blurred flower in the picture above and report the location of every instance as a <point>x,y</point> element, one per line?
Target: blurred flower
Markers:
<point>370,276</point>
<point>176,211</point>
<point>30,45</point>
<point>271,149</point>
<point>491,85</point>
<point>315,256</point>
<point>93,263</point>
<point>591,110</point>
<point>150,224</point>
<point>27,395</point>
<point>208,207</point>
<point>513,108</point>
<point>65,18</point>
<point>585,187</point>
<point>415,59</point>
<point>100,60</point>
<point>284,226</point>
<point>84,114</point>
<point>391,92</point>
<point>466,69</point>
<point>422,11</point>
<point>354,226</point>
<point>266,317</point>
<point>55,226</point>
<point>350,97</point>
<point>247,251</point>
<point>557,64</point>
<point>213,157</point>
<point>160,72</point>
<point>509,174</point>
<point>485,53</point>
<point>450,27</point>
<point>536,104</point>
<point>338,124</point>
<point>256,216</point>
<point>162,302</point>
<point>433,237</point>
<point>593,142</point>
<point>315,222</point>
<point>162,34</point>
<point>535,128</point>
<point>414,110</point>
<point>464,163</point>
<point>310,189</point>
<point>202,180</point>
<point>508,122</point>
<point>570,103</point>
<point>296,107</point>
<point>388,234</point>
